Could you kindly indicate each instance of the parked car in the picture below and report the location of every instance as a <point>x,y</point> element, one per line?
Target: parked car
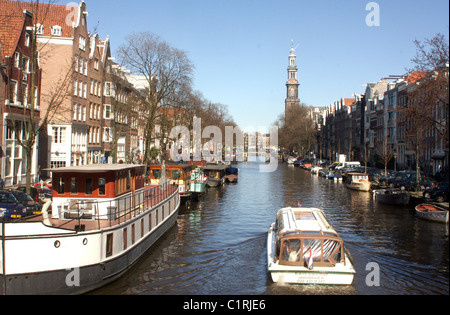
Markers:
<point>10,207</point>
<point>32,207</point>
<point>438,193</point>
<point>37,193</point>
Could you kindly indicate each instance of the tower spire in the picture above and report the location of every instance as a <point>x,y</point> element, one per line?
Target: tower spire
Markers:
<point>292,82</point>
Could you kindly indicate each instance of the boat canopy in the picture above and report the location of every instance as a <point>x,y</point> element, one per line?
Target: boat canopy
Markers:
<point>304,236</point>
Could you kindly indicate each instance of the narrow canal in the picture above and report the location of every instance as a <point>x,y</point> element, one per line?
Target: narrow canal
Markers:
<point>219,243</point>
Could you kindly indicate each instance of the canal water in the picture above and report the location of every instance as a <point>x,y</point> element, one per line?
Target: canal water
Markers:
<point>219,244</point>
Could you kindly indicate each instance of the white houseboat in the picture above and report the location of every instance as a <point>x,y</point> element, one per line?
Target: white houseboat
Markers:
<point>303,248</point>
<point>103,220</point>
<point>357,181</point>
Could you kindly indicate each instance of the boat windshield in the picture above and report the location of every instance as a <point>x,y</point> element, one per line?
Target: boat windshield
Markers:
<point>156,174</point>
<point>324,252</point>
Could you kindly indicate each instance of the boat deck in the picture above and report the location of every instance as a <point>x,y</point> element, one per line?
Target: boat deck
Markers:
<point>80,224</point>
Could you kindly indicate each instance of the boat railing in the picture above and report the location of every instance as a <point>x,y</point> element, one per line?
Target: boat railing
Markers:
<point>90,214</point>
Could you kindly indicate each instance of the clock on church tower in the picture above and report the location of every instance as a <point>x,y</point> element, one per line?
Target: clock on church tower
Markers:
<point>292,82</point>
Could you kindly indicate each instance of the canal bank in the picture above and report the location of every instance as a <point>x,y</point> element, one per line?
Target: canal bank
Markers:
<point>219,243</point>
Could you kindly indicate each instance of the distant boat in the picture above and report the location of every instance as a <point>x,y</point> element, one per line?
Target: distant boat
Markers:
<point>215,175</point>
<point>391,196</point>
<point>178,174</point>
<point>432,213</point>
<point>358,181</point>
<point>231,174</point>
<point>198,182</point>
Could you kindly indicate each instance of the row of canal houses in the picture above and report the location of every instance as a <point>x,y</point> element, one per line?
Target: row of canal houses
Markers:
<point>75,67</point>
<point>370,125</point>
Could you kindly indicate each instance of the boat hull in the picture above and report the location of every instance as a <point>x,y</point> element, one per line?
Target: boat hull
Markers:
<point>388,197</point>
<point>83,278</point>
<point>432,213</point>
<point>359,186</point>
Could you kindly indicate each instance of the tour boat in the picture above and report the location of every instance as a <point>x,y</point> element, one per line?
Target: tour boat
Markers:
<point>215,174</point>
<point>104,218</point>
<point>432,213</point>
<point>177,174</point>
<point>357,181</point>
<point>302,248</point>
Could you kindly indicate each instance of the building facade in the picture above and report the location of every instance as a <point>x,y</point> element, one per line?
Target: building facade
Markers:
<point>20,90</point>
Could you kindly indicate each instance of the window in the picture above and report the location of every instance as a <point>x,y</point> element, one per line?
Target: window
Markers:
<point>88,188</point>
<point>109,245</point>
<point>26,64</point>
<point>39,29</point>
<point>74,186</point>
<point>56,30</point>
<point>125,238</point>
<point>101,186</point>
<point>107,88</point>
<point>27,40</point>
<point>133,233</point>
<point>60,187</point>
<point>13,92</point>
<point>107,112</point>
<point>107,134</point>
<point>59,135</point>
<point>82,43</point>
<point>16,59</point>
<point>142,227</point>
<point>24,94</point>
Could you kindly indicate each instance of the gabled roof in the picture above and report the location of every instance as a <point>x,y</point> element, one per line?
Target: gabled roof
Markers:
<point>48,15</point>
<point>11,27</point>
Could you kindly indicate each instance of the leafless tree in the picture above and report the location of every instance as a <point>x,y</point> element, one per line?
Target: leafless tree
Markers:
<point>163,68</point>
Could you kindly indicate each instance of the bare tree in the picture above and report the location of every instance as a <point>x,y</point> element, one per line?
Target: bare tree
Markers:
<point>164,69</point>
<point>427,108</point>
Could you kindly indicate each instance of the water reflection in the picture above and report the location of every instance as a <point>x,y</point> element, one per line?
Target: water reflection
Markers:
<point>219,243</point>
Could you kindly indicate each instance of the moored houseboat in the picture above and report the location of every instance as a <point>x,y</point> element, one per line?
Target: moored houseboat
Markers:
<point>177,174</point>
<point>104,218</point>
<point>303,248</point>
<point>392,196</point>
<point>432,212</point>
<point>357,181</point>
<point>215,174</point>
<point>198,182</point>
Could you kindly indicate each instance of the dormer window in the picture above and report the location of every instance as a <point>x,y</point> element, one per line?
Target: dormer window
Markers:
<point>56,30</point>
<point>39,29</point>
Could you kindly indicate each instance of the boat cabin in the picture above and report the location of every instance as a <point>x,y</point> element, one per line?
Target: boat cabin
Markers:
<point>304,236</point>
<point>177,174</point>
<point>94,190</point>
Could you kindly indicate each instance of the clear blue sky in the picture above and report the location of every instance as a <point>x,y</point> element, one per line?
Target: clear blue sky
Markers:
<point>240,48</point>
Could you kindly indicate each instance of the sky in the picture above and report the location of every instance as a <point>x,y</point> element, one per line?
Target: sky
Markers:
<point>240,48</point>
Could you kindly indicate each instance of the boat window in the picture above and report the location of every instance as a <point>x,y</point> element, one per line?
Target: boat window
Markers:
<point>331,251</point>
<point>74,186</point>
<point>291,250</point>
<point>88,188</point>
<point>125,238</point>
<point>129,180</point>
<point>176,174</point>
<point>60,184</point>
<point>109,245</point>
<point>156,174</point>
<point>312,247</point>
<point>101,186</point>
<point>311,232</point>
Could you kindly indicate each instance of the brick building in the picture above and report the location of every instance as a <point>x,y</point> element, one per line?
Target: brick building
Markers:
<point>20,89</point>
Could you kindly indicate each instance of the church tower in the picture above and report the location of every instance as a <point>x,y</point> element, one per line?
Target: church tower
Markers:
<point>292,83</point>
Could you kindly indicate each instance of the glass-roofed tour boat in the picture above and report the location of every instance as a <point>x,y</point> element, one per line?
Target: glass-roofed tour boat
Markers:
<point>303,248</point>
